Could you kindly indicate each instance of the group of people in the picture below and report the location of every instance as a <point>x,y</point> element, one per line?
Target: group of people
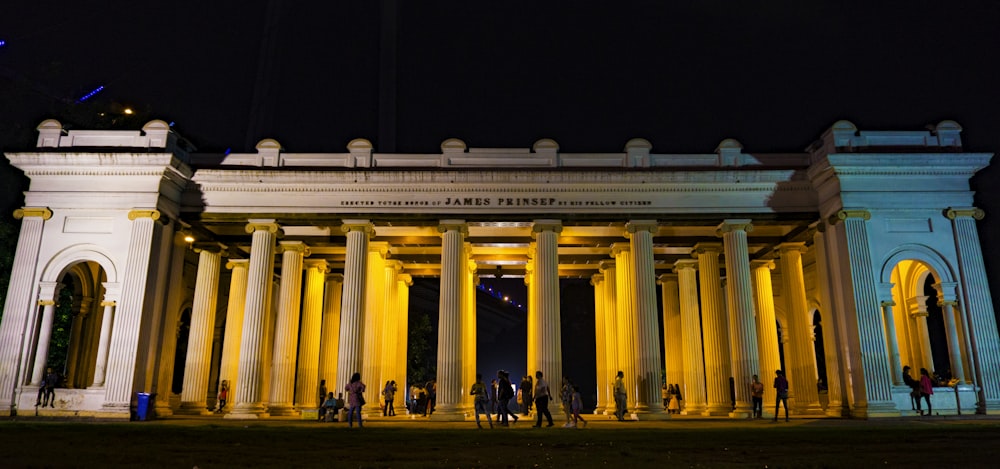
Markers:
<point>671,395</point>
<point>47,389</point>
<point>921,388</point>
<point>537,390</point>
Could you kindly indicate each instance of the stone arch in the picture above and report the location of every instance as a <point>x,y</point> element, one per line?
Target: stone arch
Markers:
<point>63,260</point>
<point>917,252</point>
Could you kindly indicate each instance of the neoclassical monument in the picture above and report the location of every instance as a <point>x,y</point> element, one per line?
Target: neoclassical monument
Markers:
<point>840,264</point>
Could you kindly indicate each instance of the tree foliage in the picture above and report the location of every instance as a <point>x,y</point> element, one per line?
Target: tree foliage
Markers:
<point>422,365</point>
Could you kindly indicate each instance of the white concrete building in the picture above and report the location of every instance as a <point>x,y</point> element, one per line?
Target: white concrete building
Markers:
<point>289,268</point>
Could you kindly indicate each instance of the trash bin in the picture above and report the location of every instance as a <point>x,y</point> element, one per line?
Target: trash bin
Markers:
<point>142,405</point>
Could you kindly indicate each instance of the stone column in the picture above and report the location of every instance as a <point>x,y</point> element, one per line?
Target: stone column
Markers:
<point>330,341</point>
<point>130,311</point>
<point>597,280</point>
<point>403,283</point>
<point>549,346</point>
<point>349,360</point>
<point>885,300</point>
<point>286,332</point>
<point>198,359</point>
<point>47,294</point>
<point>82,309</point>
<point>612,364</point>
<point>648,368</point>
<point>800,364</point>
<point>982,324</point>
<point>468,329</point>
<point>947,300</point>
<point>767,331</point>
<point>625,319</point>
<point>919,314</point>
<point>532,323</point>
<point>111,295</point>
<point>20,302</point>
<point>715,325</point>
<point>373,363</point>
<point>672,330</point>
<point>390,327</point>
<point>247,389</point>
<point>229,368</point>
<point>449,358</point>
<point>872,388</point>
<point>836,403</point>
<point>691,350</point>
<point>742,324</point>
<point>176,296</point>
<point>307,377</point>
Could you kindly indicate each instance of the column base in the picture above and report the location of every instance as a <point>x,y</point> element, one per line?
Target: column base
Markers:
<point>447,413</point>
<point>282,410</point>
<point>655,415</point>
<point>812,410</point>
<point>247,412</point>
<point>875,410</point>
<point>716,411</point>
<point>693,409</point>
<point>193,408</point>
<point>741,414</point>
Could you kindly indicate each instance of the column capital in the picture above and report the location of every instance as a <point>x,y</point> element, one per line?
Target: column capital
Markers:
<point>144,213</point>
<point>538,226</point>
<point>704,248</point>
<point>885,303</point>
<point>619,247</point>
<point>209,246</point>
<point>634,226</point>
<point>381,247</point>
<point>947,291</point>
<point>319,264</point>
<point>256,224</point>
<point>405,278</point>
<point>46,302</point>
<point>596,279</point>
<point>961,212</point>
<point>42,212</point>
<point>363,226</point>
<point>842,215</point>
<point>952,303</point>
<point>734,224</point>
<point>885,293</point>
<point>461,226</point>
<point>335,278</point>
<point>294,246</point>
<point>605,264</point>
<point>664,278</point>
<point>238,263</point>
<point>791,247</point>
<point>685,264</point>
<point>762,264</point>
<point>107,303</point>
<point>394,264</point>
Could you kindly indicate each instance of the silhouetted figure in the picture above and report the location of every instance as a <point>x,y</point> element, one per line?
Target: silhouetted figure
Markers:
<point>481,400</point>
<point>542,397</point>
<point>621,396</point>
<point>781,385</point>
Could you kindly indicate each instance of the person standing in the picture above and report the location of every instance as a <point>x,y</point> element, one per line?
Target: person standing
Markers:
<point>322,392</point>
<point>757,396</point>
<point>355,398</point>
<point>526,392</point>
<point>505,391</point>
<point>493,398</point>
<point>675,399</point>
<point>223,396</point>
<point>480,400</point>
<point>781,386</point>
<point>665,393</point>
<point>914,386</point>
<point>389,393</point>
<point>431,396</point>
<point>542,397</point>
<point>566,396</point>
<point>926,390</point>
<point>577,405</point>
<point>621,396</point>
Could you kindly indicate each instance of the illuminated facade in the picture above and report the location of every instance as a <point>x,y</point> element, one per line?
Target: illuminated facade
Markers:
<point>839,264</point>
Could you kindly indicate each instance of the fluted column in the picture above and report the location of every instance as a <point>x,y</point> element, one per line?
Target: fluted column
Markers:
<point>468,329</point>
<point>673,350</point>
<point>47,294</point>
<point>449,358</point>
<point>403,283</point>
<point>597,280</point>
<point>612,364</point>
<point>919,314</point>
<point>715,326</point>
<point>767,329</point>
<point>984,340</point>
<point>81,310</point>
<point>532,322</point>
<point>330,341</point>
<point>307,377</point>
<point>349,360</point>
<point>948,303</point>
<point>625,319</point>
<point>199,352</point>
<point>691,347</point>
<point>835,371</point>
<point>247,389</point>
<point>111,294</point>
<point>20,303</point>
<point>390,325</point>
<point>800,364</point>
<point>176,296</point>
<point>742,324</point>
<point>128,319</point>
<point>872,388</point>
<point>647,333</point>
<point>374,319</point>
<point>549,347</point>
<point>286,330</point>
<point>229,368</point>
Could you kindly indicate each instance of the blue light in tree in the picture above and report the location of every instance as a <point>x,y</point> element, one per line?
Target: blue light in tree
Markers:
<point>91,94</point>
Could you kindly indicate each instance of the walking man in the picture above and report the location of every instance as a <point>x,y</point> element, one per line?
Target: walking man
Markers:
<point>542,397</point>
<point>621,397</point>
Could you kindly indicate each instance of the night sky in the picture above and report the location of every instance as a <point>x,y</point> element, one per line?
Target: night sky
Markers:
<point>682,74</point>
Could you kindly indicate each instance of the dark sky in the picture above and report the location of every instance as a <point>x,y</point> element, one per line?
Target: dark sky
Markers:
<point>683,74</point>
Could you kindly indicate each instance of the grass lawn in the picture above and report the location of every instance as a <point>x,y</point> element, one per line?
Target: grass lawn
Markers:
<point>406,444</point>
